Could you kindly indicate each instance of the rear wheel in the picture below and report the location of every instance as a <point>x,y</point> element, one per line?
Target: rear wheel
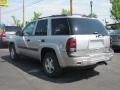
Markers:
<point>51,65</point>
<point>13,54</point>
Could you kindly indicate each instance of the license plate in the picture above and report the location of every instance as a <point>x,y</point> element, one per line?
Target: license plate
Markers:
<point>96,44</point>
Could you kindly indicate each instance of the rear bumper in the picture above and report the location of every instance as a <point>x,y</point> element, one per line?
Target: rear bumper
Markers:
<point>92,59</point>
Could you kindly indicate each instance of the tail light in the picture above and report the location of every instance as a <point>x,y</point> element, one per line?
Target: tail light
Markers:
<point>71,45</point>
<point>3,34</point>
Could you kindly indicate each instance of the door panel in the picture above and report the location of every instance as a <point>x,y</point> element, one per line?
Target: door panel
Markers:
<point>21,44</point>
<point>25,40</point>
<point>39,37</point>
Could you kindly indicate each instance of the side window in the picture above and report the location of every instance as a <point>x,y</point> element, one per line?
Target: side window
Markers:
<point>41,28</point>
<point>60,27</point>
<point>28,30</point>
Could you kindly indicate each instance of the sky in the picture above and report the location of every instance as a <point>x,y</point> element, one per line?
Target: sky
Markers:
<point>54,7</point>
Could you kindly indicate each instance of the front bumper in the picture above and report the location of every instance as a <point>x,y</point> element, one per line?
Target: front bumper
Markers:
<point>92,59</point>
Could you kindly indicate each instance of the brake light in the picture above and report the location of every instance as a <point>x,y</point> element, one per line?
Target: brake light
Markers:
<point>3,34</point>
<point>71,45</point>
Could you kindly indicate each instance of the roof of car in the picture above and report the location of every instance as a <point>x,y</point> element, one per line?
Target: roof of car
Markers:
<point>68,16</point>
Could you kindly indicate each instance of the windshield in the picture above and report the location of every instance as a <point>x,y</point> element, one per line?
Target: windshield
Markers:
<point>86,26</point>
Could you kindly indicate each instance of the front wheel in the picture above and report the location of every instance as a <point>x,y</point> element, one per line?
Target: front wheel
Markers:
<point>51,65</point>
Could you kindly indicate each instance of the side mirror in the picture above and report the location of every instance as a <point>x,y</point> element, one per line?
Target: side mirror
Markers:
<point>19,33</point>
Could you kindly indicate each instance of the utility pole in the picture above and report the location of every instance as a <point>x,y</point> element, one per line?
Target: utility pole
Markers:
<point>71,7</point>
<point>0,16</point>
<point>23,13</point>
<point>91,7</point>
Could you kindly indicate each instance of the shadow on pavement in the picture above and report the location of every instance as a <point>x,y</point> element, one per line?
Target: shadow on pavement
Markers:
<point>33,67</point>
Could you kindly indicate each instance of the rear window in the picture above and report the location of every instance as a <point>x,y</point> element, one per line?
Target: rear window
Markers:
<point>12,28</point>
<point>86,26</point>
<point>77,26</point>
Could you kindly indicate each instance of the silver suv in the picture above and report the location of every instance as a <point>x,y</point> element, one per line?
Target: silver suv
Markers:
<point>63,41</point>
<point>7,34</point>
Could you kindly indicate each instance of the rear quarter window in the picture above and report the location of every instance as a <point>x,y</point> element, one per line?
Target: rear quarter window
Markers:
<point>60,26</point>
<point>41,28</point>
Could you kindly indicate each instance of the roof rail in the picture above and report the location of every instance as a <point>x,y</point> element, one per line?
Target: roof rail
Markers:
<point>43,17</point>
<point>52,16</point>
<point>58,15</point>
<point>82,15</point>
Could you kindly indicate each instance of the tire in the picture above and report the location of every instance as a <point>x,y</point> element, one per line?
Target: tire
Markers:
<point>13,55</point>
<point>51,66</point>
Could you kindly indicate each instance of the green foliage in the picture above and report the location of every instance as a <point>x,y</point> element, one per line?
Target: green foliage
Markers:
<point>115,12</point>
<point>36,16</point>
<point>17,22</point>
<point>65,12</point>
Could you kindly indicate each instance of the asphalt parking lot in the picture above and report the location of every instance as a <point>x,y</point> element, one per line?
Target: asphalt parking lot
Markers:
<point>26,74</point>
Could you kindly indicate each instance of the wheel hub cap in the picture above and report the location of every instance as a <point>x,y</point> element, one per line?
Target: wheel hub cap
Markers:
<point>12,54</point>
<point>49,65</point>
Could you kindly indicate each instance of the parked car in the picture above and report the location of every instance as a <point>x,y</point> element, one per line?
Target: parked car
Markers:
<point>63,41</point>
<point>8,33</point>
<point>115,35</point>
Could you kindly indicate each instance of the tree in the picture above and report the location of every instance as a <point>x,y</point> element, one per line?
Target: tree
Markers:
<point>17,22</point>
<point>36,15</point>
<point>115,12</point>
<point>92,15</point>
<point>65,12</point>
